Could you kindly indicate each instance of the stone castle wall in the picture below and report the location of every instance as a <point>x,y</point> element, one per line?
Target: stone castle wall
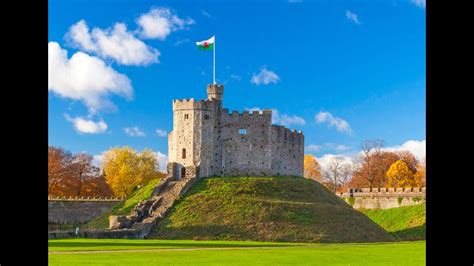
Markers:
<point>287,151</point>
<point>384,198</point>
<point>77,211</point>
<point>210,137</point>
<point>250,153</point>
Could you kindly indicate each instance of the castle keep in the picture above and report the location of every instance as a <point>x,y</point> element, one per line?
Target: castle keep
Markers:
<point>207,140</point>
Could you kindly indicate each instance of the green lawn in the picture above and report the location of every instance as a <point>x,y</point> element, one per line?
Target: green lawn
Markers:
<point>261,253</point>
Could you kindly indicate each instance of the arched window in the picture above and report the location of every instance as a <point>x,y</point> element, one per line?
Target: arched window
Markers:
<point>184,154</point>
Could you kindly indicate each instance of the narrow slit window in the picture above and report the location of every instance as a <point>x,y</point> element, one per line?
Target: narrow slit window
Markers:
<point>186,116</point>
<point>243,131</point>
<point>184,154</point>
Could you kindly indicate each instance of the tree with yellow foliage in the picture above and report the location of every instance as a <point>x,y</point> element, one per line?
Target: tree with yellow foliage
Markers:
<point>399,175</point>
<point>312,169</point>
<point>125,169</point>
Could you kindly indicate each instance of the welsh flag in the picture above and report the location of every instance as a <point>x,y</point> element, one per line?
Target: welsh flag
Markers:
<point>206,45</point>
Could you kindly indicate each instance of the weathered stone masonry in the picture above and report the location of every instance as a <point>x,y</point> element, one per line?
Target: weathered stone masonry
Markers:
<point>77,211</point>
<point>384,198</point>
<point>208,140</point>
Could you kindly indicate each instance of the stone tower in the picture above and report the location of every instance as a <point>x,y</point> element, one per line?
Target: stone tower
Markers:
<point>207,140</point>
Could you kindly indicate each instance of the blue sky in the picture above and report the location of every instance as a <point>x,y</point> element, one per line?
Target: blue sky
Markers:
<point>341,71</point>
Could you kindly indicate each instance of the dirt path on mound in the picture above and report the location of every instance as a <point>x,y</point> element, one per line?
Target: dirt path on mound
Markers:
<point>164,249</point>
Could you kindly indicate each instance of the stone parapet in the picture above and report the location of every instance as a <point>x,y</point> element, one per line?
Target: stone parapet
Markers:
<point>385,192</point>
<point>114,199</point>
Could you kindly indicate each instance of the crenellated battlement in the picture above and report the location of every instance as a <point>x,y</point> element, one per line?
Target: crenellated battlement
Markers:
<point>363,192</point>
<point>286,136</point>
<point>383,198</point>
<point>215,91</point>
<point>192,104</point>
<point>115,199</point>
<point>241,117</point>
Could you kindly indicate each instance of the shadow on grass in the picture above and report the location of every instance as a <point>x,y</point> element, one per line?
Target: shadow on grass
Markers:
<point>202,232</point>
<point>409,234</point>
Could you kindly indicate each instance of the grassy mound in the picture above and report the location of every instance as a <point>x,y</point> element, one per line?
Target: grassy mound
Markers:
<point>123,208</point>
<point>405,223</point>
<point>290,209</point>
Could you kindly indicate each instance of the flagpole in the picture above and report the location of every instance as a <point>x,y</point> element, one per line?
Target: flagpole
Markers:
<point>214,60</point>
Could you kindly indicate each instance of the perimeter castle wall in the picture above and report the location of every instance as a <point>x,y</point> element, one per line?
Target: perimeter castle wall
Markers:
<point>208,140</point>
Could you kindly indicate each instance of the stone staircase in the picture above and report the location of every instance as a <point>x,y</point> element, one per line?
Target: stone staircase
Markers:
<point>148,212</point>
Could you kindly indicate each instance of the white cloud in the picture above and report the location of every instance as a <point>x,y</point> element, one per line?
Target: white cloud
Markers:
<point>115,43</point>
<point>85,78</point>
<point>206,14</point>
<point>340,124</point>
<point>327,146</point>
<point>134,132</point>
<point>181,41</point>
<point>158,23</point>
<point>162,161</point>
<point>313,148</point>
<point>87,126</point>
<point>419,3</point>
<point>341,148</point>
<point>265,77</point>
<point>161,132</point>
<point>286,120</point>
<point>352,17</point>
<point>282,119</point>
<point>416,147</point>
<point>98,159</point>
<point>325,160</point>
<point>235,77</point>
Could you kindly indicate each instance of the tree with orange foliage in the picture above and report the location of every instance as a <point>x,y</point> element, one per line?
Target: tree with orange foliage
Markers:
<point>399,175</point>
<point>312,169</point>
<point>371,150</point>
<point>409,159</point>
<point>59,171</point>
<point>84,173</point>
<point>379,163</point>
<point>73,175</point>
<point>97,187</point>
<point>420,175</point>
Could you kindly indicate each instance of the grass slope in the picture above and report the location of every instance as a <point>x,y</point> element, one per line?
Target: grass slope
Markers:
<point>401,253</point>
<point>405,223</point>
<point>290,209</point>
<point>123,208</point>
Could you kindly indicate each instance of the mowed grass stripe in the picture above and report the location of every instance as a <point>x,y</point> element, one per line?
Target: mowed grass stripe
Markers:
<point>402,253</point>
<point>130,244</point>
